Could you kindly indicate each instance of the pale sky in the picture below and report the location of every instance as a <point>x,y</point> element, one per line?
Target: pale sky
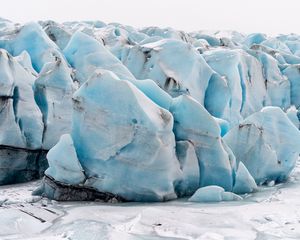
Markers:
<point>268,16</point>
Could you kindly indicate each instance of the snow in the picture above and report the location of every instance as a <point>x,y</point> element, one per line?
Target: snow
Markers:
<point>270,213</point>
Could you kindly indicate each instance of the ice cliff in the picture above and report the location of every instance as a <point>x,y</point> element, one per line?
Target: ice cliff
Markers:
<point>146,114</point>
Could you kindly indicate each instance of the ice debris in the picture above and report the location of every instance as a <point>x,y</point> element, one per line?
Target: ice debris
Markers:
<point>213,194</point>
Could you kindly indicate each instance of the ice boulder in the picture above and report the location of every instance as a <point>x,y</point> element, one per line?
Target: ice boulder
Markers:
<point>63,163</point>
<point>276,44</point>
<point>213,194</point>
<point>244,79</point>
<point>292,73</point>
<point>58,33</point>
<point>254,38</point>
<point>244,182</point>
<point>25,60</point>
<point>167,33</point>
<point>18,108</point>
<point>34,40</point>
<point>124,141</point>
<point>192,122</point>
<point>174,65</point>
<point>86,55</point>
<point>54,89</point>
<point>218,97</point>
<point>276,84</point>
<point>268,144</point>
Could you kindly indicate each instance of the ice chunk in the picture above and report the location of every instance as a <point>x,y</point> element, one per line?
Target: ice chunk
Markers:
<point>34,40</point>
<point>204,132</point>
<point>229,196</point>
<point>53,93</point>
<point>268,144</point>
<point>87,55</point>
<point>276,85</point>
<point>213,194</point>
<point>223,124</point>
<point>25,60</point>
<point>189,165</point>
<point>212,40</point>
<point>63,163</point>
<point>244,182</point>
<point>167,33</point>
<point>244,79</point>
<point>154,92</point>
<point>254,38</point>
<point>21,126</point>
<point>18,107</point>
<point>293,114</point>
<point>58,33</point>
<point>123,140</point>
<point>218,96</point>
<point>276,44</point>
<point>292,73</point>
<point>174,65</point>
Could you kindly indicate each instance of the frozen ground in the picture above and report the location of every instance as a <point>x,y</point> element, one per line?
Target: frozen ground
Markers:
<point>271,213</point>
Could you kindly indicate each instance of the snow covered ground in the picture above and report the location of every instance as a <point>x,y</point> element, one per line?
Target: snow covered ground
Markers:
<point>271,213</point>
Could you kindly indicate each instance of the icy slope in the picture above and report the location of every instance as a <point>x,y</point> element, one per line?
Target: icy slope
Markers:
<point>145,114</point>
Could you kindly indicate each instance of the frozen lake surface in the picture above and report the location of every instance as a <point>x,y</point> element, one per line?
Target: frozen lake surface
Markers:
<point>271,213</point>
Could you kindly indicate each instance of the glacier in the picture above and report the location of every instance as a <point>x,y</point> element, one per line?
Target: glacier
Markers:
<point>110,111</point>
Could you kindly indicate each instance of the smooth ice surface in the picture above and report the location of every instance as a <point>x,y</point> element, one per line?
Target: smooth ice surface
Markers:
<point>268,144</point>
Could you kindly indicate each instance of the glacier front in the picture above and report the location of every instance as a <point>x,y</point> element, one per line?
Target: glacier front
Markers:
<point>146,114</point>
